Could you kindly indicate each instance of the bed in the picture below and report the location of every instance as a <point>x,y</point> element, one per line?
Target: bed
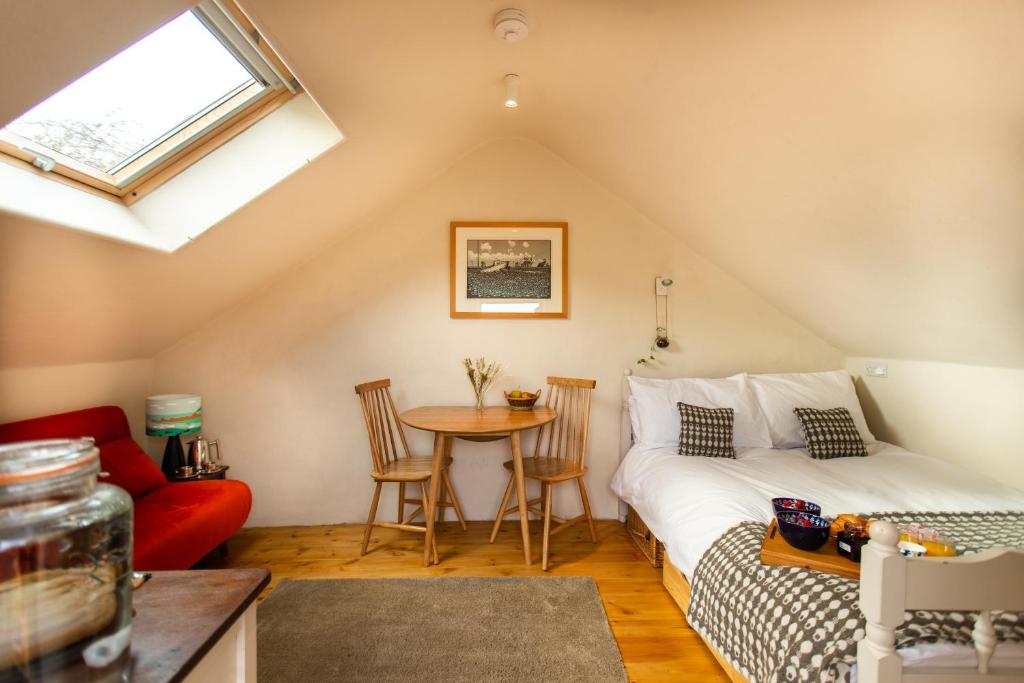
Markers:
<point>711,514</point>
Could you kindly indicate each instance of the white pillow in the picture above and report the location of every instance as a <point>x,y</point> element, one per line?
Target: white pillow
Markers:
<point>779,394</point>
<point>654,414</point>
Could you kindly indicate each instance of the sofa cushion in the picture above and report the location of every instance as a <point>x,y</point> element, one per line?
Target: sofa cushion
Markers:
<point>130,468</point>
<point>178,524</point>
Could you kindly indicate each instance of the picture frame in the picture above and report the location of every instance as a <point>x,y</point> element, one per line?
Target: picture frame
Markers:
<point>509,269</point>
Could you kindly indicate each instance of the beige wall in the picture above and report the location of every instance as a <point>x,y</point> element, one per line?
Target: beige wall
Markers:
<point>865,180</point>
<point>276,372</point>
<point>970,415</point>
<point>33,392</point>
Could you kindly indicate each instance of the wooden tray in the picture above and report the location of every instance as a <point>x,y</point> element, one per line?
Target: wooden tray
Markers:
<point>775,551</point>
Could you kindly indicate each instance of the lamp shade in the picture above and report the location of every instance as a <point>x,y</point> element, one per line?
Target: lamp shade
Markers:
<point>173,414</point>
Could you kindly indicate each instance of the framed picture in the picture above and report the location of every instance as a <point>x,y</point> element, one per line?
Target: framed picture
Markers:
<point>509,269</point>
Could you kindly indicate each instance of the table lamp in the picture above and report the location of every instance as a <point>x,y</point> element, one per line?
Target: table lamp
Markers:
<point>173,415</point>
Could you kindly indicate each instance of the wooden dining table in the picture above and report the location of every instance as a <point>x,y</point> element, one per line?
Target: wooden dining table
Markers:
<point>448,422</point>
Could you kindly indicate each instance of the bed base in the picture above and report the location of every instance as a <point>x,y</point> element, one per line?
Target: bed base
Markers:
<point>679,588</point>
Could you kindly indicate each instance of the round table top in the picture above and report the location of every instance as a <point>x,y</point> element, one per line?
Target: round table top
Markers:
<point>469,420</point>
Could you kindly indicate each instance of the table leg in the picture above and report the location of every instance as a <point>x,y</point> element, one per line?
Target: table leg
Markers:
<point>430,506</point>
<point>524,514</point>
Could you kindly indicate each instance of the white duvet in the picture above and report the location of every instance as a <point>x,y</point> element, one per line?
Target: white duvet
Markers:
<point>689,502</point>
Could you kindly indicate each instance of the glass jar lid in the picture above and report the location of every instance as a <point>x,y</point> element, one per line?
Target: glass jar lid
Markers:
<point>25,461</point>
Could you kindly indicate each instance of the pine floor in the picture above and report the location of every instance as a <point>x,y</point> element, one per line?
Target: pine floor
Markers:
<point>655,641</point>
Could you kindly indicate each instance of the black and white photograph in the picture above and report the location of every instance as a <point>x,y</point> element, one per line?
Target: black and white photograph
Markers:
<point>508,269</point>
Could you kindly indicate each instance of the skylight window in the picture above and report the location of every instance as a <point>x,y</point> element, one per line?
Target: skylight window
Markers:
<point>130,116</point>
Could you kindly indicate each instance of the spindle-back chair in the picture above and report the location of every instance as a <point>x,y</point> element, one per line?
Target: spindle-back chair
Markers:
<point>392,463</point>
<point>560,455</point>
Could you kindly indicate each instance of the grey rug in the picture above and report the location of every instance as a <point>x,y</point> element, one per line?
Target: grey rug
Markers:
<point>452,628</point>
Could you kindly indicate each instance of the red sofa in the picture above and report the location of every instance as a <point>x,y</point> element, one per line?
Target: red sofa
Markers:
<point>176,524</point>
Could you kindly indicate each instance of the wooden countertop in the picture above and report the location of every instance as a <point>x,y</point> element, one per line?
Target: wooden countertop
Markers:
<point>180,615</point>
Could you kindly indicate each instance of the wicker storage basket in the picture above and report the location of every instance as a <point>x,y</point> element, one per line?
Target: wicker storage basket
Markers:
<point>648,543</point>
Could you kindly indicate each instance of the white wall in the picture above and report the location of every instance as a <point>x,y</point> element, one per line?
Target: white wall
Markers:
<point>969,415</point>
<point>34,392</point>
<point>276,372</point>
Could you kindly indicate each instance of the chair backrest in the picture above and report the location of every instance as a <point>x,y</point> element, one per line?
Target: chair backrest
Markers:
<point>566,438</point>
<point>382,425</point>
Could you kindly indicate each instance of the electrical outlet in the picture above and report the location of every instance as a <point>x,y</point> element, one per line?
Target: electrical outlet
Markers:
<point>877,370</point>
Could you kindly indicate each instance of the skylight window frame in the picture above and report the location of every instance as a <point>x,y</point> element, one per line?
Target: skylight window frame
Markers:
<point>118,170</point>
<point>126,183</point>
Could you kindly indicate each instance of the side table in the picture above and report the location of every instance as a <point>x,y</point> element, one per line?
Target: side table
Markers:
<point>220,473</point>
<point>196,626</point>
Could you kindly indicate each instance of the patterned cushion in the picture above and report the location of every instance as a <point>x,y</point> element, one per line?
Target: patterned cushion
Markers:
<point>830,433</point>
<point>706,431</point>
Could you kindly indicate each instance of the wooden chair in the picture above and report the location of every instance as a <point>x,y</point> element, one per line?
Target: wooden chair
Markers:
<point>396,465</point>
<point>560,456</point>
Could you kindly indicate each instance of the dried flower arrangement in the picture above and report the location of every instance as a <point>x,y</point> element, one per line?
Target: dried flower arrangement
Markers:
<point>481,375</point>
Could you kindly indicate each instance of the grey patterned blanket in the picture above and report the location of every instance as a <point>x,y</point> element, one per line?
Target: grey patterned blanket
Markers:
<point>788,624</point>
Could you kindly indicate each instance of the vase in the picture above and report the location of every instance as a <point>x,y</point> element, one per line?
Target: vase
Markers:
<point>480,401</point>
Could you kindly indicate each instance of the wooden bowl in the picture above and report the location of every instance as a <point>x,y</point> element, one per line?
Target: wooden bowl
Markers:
<point>525,402</point>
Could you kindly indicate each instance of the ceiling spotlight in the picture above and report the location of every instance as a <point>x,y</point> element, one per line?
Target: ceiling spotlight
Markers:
<point>512,90</point>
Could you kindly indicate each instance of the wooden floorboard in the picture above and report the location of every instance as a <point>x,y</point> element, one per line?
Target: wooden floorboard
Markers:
<point>655,641</point>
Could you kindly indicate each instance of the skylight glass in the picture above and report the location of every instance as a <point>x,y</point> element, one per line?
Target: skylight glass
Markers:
<point>140,98</point>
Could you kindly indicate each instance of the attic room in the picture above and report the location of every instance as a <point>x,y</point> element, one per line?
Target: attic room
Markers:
<point>579,340</point>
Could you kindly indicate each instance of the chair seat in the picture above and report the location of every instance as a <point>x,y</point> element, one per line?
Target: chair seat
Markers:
<point>548,469</point>
<point>415,468</point>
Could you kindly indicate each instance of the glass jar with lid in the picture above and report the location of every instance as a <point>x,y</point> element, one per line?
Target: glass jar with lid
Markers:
<point>65,565</point>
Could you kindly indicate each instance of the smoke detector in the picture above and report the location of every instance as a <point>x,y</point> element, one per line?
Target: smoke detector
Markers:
<point>510,25</point>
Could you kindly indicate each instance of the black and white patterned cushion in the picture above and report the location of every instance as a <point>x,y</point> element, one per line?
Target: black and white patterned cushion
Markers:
<point>830,433</point>
<point>706,431</point>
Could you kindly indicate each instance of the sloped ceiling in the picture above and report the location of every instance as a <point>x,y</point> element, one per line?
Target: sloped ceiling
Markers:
<point>860,164</point>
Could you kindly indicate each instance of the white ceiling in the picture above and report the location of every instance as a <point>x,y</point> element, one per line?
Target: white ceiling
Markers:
<point>860,164</point>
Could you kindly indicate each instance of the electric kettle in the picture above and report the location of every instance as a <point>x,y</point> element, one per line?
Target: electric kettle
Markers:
<point>201,454</point>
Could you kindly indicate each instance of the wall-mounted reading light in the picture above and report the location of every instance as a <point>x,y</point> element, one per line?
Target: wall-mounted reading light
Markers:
<point>661,285</point>
<point>661,339</point>
<point>512,90</point>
